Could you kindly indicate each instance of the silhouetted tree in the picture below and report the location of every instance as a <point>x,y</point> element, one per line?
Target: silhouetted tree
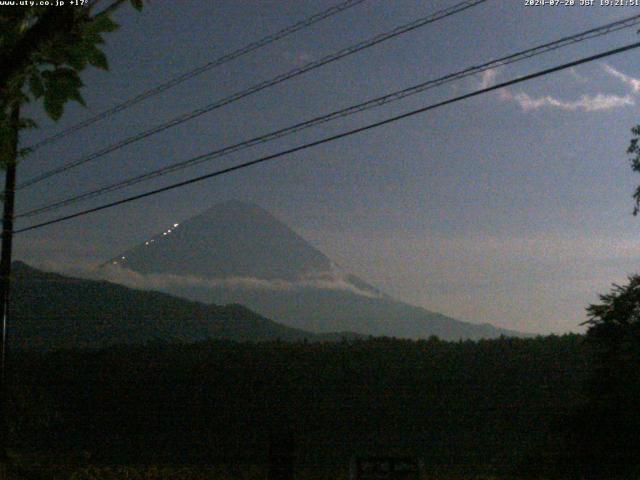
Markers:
<point>634,149</point>
<point>43,49</point>
<point>607,433</point>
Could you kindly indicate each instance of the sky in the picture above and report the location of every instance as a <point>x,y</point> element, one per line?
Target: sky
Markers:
<point>512,208</point>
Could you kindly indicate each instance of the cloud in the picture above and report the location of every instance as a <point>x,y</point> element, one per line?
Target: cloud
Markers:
<point>586,103</point>
<point>488,78</point>
<point>631,82</point>
<point>329,280</point>
<point>580,78</point>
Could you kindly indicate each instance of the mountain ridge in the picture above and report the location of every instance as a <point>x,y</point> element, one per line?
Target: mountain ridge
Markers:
<point>53,311</point>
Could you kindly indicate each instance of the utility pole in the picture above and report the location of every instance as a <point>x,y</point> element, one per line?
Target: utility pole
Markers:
<point>5,277</point>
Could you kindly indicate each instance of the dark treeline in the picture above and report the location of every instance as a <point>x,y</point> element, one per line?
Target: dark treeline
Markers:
<point>495,406</point>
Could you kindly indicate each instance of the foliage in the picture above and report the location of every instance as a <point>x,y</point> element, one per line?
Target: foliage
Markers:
<point>634,149</point>
<point>43,50</point>
<point>461,406</point>
<point>606,431</point>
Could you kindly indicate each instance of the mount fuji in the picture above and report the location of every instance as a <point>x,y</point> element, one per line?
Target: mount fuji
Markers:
<point>237,252</point>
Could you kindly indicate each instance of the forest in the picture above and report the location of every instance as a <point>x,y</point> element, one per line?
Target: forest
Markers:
<point>494,407</point>
<point>531,408</point>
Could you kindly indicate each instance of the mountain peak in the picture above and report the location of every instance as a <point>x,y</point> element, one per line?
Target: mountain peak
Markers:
<point>235,207</point>
<point>230,239</point>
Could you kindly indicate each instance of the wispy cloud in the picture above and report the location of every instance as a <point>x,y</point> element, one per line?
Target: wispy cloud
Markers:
<point>631,82</point>
<point>576,76</point>
<point>330,280</point>
<point>586,103</point>
<point>488,78</point>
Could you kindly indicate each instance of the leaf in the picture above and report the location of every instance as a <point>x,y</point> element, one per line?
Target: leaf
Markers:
<point>64,79</point>
<point>77,96</point>
<point>53,106</point>
<point>102,23</point>
<point>27,123</point>
<point>92,38</point>
<point>60,86</point>
<point>35,85</point>
<point>77,56</point>
<point>98,59</point>
<point>137,4</point>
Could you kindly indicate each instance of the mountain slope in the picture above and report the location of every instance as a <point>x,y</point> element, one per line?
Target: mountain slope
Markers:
<point>325,310</point>
<point>233,240</point>
<point>54,311</point>
<point>238,253</point>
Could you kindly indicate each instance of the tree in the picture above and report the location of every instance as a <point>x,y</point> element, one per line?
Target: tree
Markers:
<point>634,149</point>
<point>42,52</point>
<point>608,429</point>
<point>43,49</point>
<point>605,434</point>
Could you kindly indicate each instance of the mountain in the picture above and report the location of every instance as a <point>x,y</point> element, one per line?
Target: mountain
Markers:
<point>237,252</point>
<point>51,311</point>
<point>232,240</point>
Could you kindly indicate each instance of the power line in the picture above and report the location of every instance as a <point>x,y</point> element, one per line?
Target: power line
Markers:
<point>259,87</point>
<point>391,97</point>
<point>332,138</point>
<point>307,22</point>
